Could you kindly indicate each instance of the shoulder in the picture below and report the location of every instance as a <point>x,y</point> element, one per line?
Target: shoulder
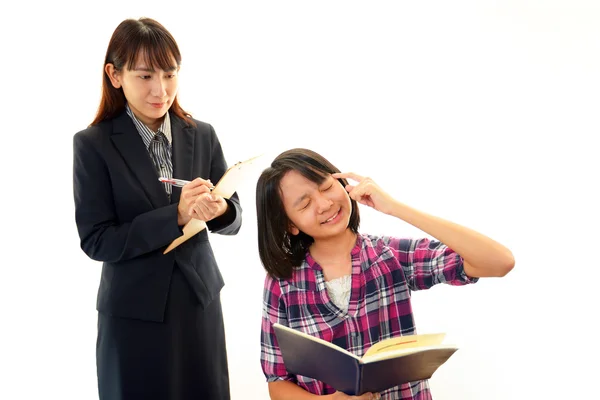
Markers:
<point>200,127</point>
<point>203,127</point>
<point>94,132</point>
<point>277,285</point>
<point>373,244</point>
<point>405,245</point>
<point>272,290</point>
<point>303,279</point>
<point>93,137</point>
<point>377,248</point>
<point>203,132</point>
<point>271,281</point>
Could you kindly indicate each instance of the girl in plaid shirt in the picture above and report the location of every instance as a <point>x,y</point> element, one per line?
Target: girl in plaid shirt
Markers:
<point>352,289</point>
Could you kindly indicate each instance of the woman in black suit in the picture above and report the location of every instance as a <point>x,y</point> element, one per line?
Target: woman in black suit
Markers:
<point>160,326</point>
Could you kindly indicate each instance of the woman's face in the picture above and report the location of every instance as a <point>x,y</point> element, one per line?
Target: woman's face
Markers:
<point>149,92</point>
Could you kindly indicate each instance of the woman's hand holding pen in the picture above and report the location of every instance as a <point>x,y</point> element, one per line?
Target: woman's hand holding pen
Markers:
<point>189,193</point>
<point>367,192</point>
<point>197,202</point>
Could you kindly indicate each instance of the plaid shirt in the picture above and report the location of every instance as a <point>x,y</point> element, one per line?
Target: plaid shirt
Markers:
<point>384,272</point>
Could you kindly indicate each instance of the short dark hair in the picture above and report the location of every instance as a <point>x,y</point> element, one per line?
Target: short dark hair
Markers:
<point>279,251</point>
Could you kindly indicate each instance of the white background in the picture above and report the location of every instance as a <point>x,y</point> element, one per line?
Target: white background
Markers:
<point>482,112</point>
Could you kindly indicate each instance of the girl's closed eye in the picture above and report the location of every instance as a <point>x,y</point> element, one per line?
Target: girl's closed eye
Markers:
<point>305,206</point>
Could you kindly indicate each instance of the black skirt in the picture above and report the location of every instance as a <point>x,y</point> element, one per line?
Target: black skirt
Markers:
<point>182,358</point>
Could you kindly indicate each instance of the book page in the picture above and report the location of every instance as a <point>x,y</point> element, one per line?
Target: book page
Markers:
<point>439,349</point>
<point>405,342</point>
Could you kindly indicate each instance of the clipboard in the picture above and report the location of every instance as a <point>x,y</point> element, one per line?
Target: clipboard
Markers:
<point>225,188</point>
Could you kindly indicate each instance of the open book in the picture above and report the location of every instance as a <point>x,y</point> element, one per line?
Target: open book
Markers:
<point>225,188</point>
<point>386,364</point>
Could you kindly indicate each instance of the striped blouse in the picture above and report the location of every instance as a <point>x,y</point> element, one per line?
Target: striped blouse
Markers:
<point>158,144</point>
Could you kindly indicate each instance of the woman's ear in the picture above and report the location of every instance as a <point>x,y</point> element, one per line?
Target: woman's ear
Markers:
<point>113,75</point>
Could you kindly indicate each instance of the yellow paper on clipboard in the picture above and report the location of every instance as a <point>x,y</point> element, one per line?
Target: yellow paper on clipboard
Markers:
<point>225,188</point>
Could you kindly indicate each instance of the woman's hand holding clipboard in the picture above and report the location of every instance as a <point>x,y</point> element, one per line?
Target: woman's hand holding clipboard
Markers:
<point>225,188</point>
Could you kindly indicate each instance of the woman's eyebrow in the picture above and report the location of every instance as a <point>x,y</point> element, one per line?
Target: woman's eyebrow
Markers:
<point>145,69</point>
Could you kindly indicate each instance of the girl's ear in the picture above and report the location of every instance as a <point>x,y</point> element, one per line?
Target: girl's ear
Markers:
<point>293,229</point>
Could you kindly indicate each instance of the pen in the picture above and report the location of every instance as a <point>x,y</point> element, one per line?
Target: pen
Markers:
<point>176,182</point>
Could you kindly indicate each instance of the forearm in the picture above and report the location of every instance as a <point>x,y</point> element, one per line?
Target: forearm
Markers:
<point>286,390</point>
<point>483,257</point>
<point>113,243</point>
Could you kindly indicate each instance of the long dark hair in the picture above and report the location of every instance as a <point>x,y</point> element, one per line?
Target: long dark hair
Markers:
<point>133,38</point>
<point>280,251</point>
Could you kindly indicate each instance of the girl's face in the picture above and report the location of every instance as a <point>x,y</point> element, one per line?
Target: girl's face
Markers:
<point>149,92</point>
<point>319,210</point>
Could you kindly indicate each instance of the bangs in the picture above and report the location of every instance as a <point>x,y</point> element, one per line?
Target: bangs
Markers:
<point>312,174</point>
<point>155,53</point>
<point>312,168</point>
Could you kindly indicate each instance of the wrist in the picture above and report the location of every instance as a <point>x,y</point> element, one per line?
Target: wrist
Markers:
<point>182,219</point>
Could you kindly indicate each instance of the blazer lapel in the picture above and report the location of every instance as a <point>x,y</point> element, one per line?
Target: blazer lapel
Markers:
<point>129,143</point>
<point>183,153</point>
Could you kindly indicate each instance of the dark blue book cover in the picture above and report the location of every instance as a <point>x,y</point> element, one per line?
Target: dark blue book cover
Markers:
<point>315,358</point>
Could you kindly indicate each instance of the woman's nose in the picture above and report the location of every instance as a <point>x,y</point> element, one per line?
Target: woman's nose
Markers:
<point>158,88</point>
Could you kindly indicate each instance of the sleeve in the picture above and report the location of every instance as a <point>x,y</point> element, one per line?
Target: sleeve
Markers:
<point>230,222</point>
<point>428,262</point>
<point>274,310</point>
<point>101,235</point>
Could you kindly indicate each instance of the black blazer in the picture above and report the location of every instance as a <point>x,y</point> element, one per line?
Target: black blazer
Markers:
<point>124,217</point>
